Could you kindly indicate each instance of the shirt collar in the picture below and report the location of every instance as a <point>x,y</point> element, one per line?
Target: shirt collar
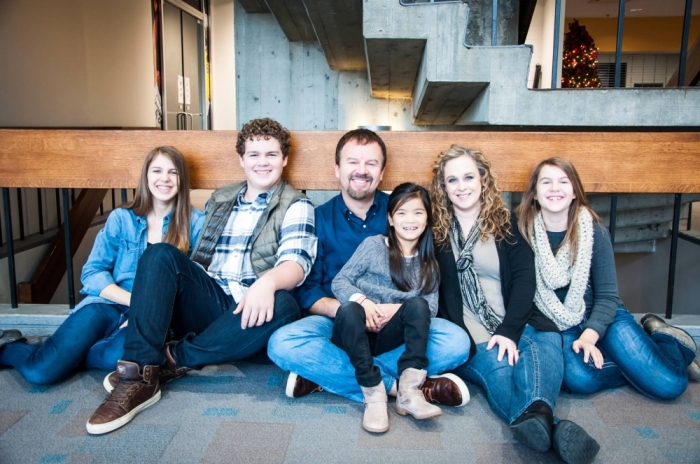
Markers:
<point>261,198</point>
<point>370,212</point>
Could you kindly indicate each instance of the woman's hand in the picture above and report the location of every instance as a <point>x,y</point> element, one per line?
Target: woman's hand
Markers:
<point>373,315</point>
<point>505,345</point>
<point>587,342</point>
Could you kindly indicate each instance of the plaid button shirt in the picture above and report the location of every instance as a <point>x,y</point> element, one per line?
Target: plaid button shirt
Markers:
<point>231,265</point>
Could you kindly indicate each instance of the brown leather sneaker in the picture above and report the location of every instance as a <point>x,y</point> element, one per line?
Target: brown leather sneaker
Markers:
<point>298,386</point>
<point>133,393</point>
<point>447,389</point>
<point>166,373</point>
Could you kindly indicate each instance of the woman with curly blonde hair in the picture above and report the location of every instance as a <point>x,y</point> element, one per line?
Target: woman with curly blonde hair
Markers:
<point>487,287</point>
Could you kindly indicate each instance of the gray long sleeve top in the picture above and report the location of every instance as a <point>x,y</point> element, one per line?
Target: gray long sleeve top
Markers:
<point>367,273</point>
<point>601,296</point>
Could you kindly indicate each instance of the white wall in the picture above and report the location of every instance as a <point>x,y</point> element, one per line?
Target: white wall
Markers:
<point>222,61</point>
<point>68,63</point>
<point>541,37</point>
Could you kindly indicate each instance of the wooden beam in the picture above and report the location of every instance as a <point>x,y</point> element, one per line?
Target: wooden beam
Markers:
<point>651,162</point>
<point>48,275</point>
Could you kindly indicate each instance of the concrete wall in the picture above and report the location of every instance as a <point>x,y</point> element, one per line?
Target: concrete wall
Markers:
<point>68,63</point>
<point>291,82</point>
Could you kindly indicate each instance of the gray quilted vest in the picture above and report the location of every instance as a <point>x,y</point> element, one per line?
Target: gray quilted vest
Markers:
<point>265,234</point>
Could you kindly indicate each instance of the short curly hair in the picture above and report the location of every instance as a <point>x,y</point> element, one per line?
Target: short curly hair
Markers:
<point>265,128</point>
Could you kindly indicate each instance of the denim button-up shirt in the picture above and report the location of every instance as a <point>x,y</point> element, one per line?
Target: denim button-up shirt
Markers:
<point>117,249</point>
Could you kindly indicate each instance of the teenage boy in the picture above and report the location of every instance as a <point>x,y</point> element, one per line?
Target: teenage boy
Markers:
<point>304,348</point>
<point>257,243</point>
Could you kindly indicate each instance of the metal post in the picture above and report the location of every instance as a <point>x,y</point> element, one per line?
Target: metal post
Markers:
<point>10,246</point>
<point>674,251</point>
<point>58,209</point>
<point>613,218</point>
<point>20,215</point>
<point>494,24</point>
<point>69,255</point>
<point>618,46</point>
<point>40,207</point>
<point>555,52</point>
<point>690,216</point>
<point>684,42</point>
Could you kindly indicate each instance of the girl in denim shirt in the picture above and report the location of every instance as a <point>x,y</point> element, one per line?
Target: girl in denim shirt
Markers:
<point>160,212</point>
<point>604,346</point>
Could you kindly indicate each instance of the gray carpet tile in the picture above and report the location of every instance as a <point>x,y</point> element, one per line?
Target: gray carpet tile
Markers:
<point>239,413</point>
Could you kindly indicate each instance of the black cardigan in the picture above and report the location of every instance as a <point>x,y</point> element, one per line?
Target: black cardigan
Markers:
<point>517,269</point>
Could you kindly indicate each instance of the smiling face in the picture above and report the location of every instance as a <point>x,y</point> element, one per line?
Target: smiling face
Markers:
<point>463,184</point>
<point>409,221</point>
<point>263,164</point>
<point>163,179</point>
<point>360,170</point>
<point>554,190</point>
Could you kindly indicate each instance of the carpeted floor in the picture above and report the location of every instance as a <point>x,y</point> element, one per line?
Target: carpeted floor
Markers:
<point>240,414</point>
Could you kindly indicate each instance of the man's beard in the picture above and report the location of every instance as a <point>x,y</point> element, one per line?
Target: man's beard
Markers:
<point>360,194</point>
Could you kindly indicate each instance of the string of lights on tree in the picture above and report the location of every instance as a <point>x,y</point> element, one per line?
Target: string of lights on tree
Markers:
<point>579,67</point>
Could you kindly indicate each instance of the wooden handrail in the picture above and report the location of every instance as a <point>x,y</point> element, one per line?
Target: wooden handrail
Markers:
<point>643,162</point>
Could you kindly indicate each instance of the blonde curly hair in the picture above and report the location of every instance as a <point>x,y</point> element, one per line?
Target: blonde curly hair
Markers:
<point>495,217</point>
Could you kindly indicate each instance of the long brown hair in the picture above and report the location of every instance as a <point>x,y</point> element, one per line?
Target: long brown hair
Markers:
<point>495,217</point>
<point>429,275</point>
<point>178,233</point>
<point>529,207</point>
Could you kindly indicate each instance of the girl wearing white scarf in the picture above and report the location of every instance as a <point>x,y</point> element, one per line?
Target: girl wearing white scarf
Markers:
<point>604,347</point>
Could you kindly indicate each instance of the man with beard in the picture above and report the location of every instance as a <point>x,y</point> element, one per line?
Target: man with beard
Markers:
<point>304,348</point>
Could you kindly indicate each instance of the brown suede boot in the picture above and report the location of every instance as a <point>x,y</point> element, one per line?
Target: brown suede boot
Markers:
<point>134,392</point>
<point>410,399</point>
<point>376,418</point>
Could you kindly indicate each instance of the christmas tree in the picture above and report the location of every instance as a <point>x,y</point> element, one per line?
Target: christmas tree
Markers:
<point>580,56</point>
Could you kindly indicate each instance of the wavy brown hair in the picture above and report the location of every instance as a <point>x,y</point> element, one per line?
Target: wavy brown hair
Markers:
<point>494,218</point>
<point>178,233</point>
<point>529,207</point>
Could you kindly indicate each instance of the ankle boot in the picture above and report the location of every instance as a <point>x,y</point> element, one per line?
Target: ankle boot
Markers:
<point>533,428</point>
<point>410,399</point>
<point>136,390</point>
<point>376,418</point>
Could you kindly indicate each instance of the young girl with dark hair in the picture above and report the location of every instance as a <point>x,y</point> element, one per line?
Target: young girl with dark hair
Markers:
<point>487,286</point>
<point>388,293</point>
<point>91,335</point>
<point>604,347</point>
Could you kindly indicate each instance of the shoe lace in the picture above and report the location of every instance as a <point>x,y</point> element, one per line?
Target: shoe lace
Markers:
<point>123,391</point>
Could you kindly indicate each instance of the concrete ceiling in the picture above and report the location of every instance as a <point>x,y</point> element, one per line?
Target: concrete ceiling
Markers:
<point>609,8</point>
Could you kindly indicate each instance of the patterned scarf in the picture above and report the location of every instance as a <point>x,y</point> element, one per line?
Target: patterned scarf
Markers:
<point>472,294</point>
<point>555,272</point>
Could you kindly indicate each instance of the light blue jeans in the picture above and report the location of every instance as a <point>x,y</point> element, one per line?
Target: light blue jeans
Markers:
<point>305,348</point>
<point>511,389</point>
<point>655,365</point>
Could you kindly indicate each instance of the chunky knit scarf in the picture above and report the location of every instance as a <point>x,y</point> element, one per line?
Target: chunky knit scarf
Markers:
<point>555,272</point>
<point>472,294</point>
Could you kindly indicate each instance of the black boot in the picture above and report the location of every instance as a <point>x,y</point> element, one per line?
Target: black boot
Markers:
<point>533,428</point>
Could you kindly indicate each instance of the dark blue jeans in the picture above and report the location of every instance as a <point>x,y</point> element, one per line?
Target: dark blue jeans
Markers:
<point>90,334</point>
<point>655,365</point>
<point>511,389</point>
<point>173,293</point>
